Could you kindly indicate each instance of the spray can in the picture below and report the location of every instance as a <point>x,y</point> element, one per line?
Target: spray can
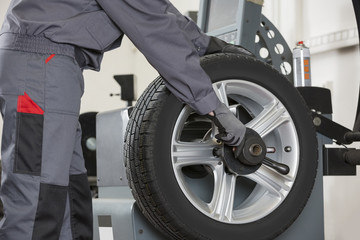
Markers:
<point>301,63</point>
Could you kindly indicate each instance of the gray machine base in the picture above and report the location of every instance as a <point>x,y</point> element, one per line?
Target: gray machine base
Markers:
<point>128,223</point>
<point>116,208</point>
<point>125,218</point>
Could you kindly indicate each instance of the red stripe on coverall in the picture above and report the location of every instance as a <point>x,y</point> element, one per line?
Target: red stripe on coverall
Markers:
<point>27,105</point>
<point>49,58</point>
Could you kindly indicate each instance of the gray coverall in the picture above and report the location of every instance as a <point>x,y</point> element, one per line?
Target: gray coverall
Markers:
<point>44,45</point>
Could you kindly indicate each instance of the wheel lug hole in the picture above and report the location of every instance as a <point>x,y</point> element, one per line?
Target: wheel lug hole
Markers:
<point>255,150</point>
<point>287,149</point>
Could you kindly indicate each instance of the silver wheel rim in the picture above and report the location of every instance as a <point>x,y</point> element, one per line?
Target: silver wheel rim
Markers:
<point>223,196</point>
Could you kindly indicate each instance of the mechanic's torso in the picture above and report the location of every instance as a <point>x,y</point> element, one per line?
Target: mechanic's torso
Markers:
<point>81,23</point>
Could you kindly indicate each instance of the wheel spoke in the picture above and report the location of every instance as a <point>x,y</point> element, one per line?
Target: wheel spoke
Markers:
<point>220,90</point>
<point>233,108</point>
<point>194,153</point>
<point>269,119</point>
<point>275,183</point>
<point>222,203</point>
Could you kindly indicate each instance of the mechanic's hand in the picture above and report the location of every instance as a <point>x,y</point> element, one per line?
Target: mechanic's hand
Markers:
<point>217,45</point>
<point>231,130</point>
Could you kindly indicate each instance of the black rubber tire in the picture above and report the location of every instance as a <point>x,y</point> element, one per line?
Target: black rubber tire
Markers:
<point>149,167</point>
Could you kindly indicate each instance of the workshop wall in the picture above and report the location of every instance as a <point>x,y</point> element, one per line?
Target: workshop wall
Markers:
<point>335,65</point>
<point>3,6</point>
<point>329,29</point>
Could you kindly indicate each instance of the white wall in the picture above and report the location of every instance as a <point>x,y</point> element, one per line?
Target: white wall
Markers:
<point>334,68</point>
<point>337,69</point>
<point>3,6</point>
<point>335,65</point>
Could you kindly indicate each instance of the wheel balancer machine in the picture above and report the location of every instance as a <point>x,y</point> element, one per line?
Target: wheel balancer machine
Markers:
<point>116,207</point>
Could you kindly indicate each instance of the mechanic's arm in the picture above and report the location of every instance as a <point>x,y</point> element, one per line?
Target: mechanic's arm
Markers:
<point>167,41</point>
<point>156,32</point>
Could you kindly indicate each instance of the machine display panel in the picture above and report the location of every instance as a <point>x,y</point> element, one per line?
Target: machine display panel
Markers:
<point>221,14</point>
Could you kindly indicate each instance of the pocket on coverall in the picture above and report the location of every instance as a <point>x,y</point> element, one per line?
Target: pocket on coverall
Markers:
<point>29,136</point>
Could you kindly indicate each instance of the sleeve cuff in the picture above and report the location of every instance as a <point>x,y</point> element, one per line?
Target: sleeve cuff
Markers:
<point>207,104</point>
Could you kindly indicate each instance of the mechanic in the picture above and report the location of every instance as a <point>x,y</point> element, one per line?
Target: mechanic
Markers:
<point>44,46</point>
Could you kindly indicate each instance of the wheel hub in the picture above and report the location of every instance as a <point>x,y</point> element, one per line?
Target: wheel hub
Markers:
<point>250,157</point>
<point>252,150</point>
